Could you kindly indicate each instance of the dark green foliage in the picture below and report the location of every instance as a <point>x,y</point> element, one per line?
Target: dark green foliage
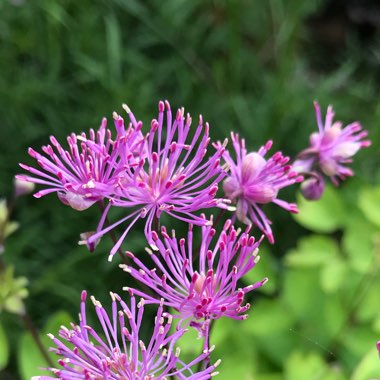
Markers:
<point>248,66</point>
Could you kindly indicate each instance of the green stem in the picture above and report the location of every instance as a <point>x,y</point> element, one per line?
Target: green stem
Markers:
<point>37,340</point>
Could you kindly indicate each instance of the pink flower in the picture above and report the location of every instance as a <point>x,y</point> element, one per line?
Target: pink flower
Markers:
<point>200,283</point>
<point>118,352</point>
<point>332,147</point>
<point>90,169</point>
<point>172,176</point>
<point>313,187</point>
<point>254,181</point>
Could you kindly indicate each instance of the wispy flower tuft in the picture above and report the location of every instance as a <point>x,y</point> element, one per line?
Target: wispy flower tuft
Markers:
<point>89,170</point>
<point>254,181</point>
<point>118,352</point>
<point>331,148</point>
<point>173,176</point>
<point>200,283</point>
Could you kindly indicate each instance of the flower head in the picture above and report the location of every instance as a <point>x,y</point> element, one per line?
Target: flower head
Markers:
<point>378,346</point>
<point>332,147</point>
<point>117,352</point>
<point>254,180</point>
<point>88,171</point>
<point>172,177</point>
<point>200,283</point>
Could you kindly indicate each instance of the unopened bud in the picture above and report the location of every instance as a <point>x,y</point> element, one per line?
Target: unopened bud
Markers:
<point>313,188</point>
<point>22,187</point>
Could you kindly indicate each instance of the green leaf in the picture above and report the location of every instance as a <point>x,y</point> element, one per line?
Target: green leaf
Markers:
<point>55,321</point>
<point>4,348</point>
<point>369,301</point>
<point>10,228</point>
<point>369,366</point>
<point>326,215</point>
<point>312,251</point>
<point>29,357</point>
<point>30,360</point>
<point>356,341</point>
<point>358,242</point>
<point>300,366</point>
<point>190,344</point>
<point>300,293</point>
<point>268,317</point>
<point>237,365</point>
<point>311,366</point>
<point>333,274</point>
<point>369,203</point>
<point>12,291</point>
<point>3,211</point>
<point>269,324</point>
<point>224,329</point>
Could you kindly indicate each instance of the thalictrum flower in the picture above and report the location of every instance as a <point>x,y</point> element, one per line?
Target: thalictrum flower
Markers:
<point>254,181</point>
<point>332,147</point>
<point>88,171</point>
<point>172,177</point>
<point>117,352</point>
<point>199,283</point>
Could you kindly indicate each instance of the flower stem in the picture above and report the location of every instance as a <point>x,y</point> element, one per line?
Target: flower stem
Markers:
<point>206,345</point>
<point>112,235</point>
<point>37,340</point>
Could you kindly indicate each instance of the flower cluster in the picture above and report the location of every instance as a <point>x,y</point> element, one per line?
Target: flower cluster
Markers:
<point>254,181</point>
<point>330,150</point>
<point>164,171</point>
<point>200,283</point>
<point>121,354</point>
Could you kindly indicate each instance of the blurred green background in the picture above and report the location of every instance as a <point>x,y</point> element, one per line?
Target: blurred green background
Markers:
<point>248,66</point>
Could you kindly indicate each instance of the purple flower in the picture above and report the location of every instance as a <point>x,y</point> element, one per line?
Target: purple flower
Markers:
<point>332,147</point>
<point>378,346</point>
<point>254,181</point>
<point>172,177</point>
<point>89,170</point>
<point>200,283</point>
<point>313,187</point>
<point>118,353</point>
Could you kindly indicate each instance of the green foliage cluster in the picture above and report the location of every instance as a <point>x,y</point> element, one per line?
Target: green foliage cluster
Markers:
<point>250,66</point>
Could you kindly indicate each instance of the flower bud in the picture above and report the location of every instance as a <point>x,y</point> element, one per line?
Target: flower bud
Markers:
<point>22,187</point>
<point>313,188</point>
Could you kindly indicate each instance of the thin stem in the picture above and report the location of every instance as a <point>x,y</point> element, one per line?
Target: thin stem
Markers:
<point>37,340</point>
<point>156,224</point>
<point>112,235</point>
<point>219,217</point>
<point>208,324</point>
